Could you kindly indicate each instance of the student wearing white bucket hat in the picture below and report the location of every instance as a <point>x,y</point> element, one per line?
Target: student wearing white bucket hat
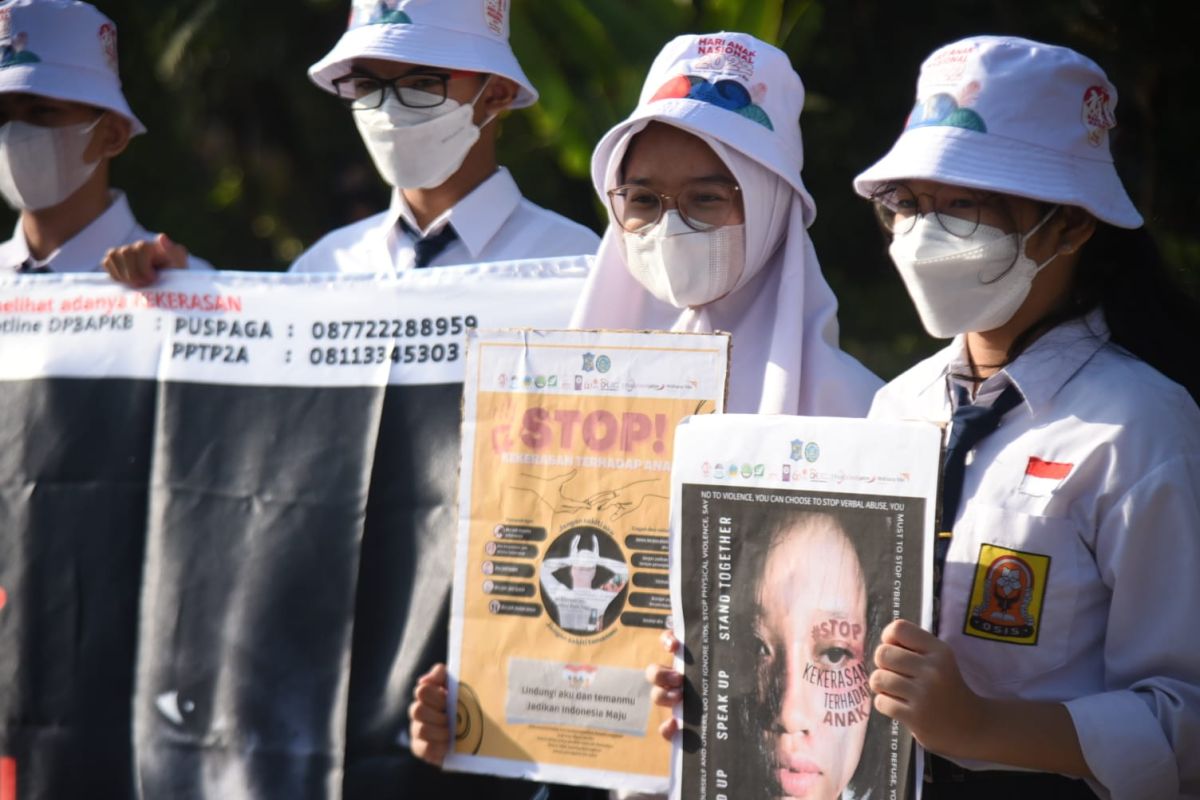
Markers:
<point>1064,646</point>
<point>1066,579</point>
<point>708,231</point>
<point>709,220</point>
<point>425,81</point>
<point>63,119</point>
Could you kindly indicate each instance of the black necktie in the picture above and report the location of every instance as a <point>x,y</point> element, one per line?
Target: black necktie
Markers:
<point>430,247</point>
<point>29,268</point>
<point>969,425</point>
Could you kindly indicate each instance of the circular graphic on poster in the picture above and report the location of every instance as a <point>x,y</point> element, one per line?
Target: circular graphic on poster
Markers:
<point>468,720</point>
<point>584,580</point>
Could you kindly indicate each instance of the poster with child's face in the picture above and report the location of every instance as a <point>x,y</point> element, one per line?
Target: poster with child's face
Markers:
<point>786,580</point>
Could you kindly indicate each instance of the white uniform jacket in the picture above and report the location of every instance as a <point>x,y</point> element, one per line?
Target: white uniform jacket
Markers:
<point>494,223</point>
<point>1073,574</point>
<point>85,251</point>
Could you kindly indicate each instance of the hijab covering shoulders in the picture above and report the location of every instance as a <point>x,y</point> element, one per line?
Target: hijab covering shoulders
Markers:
<point>742,98</point>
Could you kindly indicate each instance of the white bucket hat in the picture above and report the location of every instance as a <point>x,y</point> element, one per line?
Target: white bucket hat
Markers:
<point>453,34</point>
<point>1013,116</point>
<point>730,86</point>
<point>62,49</point>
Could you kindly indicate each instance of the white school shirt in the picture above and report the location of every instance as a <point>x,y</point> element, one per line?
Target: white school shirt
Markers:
<point>494,223</point>
<point>1072,574</point>
<point>85,251</point>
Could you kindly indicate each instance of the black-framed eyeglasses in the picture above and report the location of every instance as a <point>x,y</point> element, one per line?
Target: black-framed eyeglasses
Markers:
<point>956,209</point>
<point>702,204</point>
<point>363,92</point>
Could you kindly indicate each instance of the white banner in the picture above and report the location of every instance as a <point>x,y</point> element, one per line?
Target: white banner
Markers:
<point>248,482</point>
<point>268,329</point>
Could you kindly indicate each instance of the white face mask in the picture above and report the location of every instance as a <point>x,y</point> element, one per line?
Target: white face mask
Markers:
<point>686,267</point>
<point>419,148</point>
<point>962,285</point>
<point>41,167</point>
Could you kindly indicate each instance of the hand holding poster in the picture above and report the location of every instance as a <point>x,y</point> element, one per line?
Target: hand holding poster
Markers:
<point>561,581</point>
<point>795,541</point>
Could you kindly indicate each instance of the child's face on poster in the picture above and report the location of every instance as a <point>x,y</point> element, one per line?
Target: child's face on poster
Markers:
<point>811,676</point>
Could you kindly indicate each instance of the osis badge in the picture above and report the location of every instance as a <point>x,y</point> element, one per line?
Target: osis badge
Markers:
<point>1006,595</point>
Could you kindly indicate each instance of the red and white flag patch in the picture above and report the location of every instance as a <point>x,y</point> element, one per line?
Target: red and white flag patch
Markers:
<point>1043,477</point>
<point>8,778</point>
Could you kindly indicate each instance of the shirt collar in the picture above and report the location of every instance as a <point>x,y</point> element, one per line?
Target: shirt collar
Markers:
<point>476,218</point>
<point>15,251</point>
<point>84,251</point>
<point>947,357</point>
<point>1040,371</point>
<point>1054,358</point>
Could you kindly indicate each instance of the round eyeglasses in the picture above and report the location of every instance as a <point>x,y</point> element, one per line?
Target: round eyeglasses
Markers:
<point>363,92</point>
<point>956,209</point>
<point>702,204</point>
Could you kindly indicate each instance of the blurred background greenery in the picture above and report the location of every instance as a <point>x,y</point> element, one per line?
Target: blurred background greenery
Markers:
<point>248,163</point>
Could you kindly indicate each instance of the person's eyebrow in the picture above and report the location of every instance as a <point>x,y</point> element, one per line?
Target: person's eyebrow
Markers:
<point>841,614</point>
<point>361,72</point>
<point>417,70</point>
<point>702,179</point>
<point>423,70</point>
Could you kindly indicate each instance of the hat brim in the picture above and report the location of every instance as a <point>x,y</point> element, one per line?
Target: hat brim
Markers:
<point>69,83</point>
<point>995,163</point>
<point>423,44</point>
<point>749,138</point>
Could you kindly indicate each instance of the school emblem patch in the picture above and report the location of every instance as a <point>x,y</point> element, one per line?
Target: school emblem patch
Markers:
<point>1006,595</point>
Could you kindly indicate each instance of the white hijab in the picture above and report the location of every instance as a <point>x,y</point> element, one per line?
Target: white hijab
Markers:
<point>782,314</point>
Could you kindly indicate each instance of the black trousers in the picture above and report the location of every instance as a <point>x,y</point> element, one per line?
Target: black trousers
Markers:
<point>945,780</point>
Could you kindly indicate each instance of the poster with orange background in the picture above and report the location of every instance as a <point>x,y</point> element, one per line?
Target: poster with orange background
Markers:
<point>561,585</point>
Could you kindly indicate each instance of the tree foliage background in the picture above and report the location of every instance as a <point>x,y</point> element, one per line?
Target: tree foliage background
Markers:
<point>247,162</point>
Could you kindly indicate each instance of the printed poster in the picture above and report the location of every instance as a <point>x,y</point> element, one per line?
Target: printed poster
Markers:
<point>561,587</point>
<point>797,540</point>
<point>227,515</point>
